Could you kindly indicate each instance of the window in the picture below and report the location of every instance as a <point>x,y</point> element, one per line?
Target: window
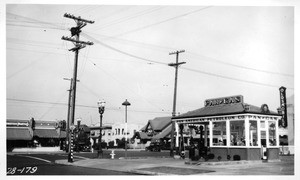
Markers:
<point>253,133</point>
<point>237,133</point>
<point>272,133</point>
<point>219,133</point>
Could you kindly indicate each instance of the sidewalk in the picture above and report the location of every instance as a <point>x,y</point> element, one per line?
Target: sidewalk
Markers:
<point>36,149</point>
<point>170,166</point>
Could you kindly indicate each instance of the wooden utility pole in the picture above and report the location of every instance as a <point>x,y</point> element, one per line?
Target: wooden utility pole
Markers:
<point>75,31</point>
<point>174,98</point>
<point>69,111</point>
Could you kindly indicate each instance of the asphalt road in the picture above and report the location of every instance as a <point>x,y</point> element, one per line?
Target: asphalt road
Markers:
<point>43,164</point>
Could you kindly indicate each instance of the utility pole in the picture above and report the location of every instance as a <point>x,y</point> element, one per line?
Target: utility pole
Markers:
<point>69,111</point>
<point>174,98</point>
<point>75,31</point>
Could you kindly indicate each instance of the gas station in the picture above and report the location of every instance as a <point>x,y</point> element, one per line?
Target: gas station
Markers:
<point>230,129</point>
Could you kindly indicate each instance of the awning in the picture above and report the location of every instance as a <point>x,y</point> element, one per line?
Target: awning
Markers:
<point>46,133</point>
<point>19,134</point>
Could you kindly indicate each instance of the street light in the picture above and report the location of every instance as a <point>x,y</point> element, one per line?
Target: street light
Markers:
<point>101,107</point>
<point>126,103</point>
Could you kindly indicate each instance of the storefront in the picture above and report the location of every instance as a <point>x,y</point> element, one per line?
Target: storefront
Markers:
<point>19,133</point>
<point>232,130</point>
<point>47,133</point>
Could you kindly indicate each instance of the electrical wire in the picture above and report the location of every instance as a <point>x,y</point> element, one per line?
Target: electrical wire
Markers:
<point>53,105</point>
<point>130,17</point>
<point>160,22</point>
<point>189,69</point>
<point>202,57</point>
<point>238,66</point>
<point>126,87</point>
<point>79,105</point>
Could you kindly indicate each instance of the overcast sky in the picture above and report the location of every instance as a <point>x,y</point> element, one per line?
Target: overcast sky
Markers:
<point>229,50</point>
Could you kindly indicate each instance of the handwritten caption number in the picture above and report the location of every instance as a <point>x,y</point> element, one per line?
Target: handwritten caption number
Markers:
<point>25,170</point>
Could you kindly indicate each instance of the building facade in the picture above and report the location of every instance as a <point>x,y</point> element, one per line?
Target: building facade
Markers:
<point>232,129</point>
<point>32,133</point>
<point>113,132</point>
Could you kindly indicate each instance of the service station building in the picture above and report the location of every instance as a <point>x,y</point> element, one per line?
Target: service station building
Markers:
<point>232,129</point>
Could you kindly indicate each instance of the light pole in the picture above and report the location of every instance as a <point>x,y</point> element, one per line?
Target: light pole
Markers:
<point>126,103</point>
<point>101,107</point>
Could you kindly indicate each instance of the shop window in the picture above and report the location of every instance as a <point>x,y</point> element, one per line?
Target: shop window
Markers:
<point>237,133</point>
<point>272,133</point>
<point>219,133</point>
<point>253,133</point>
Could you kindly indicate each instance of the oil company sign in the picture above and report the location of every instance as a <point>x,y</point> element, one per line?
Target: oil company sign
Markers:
<point>223,101</point>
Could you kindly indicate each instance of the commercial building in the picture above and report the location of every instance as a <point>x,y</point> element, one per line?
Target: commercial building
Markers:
<point>228,128</point>
<point>32,133</point>
<point>19,133</point>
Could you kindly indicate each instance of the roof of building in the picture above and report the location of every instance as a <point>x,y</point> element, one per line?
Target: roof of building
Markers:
<point>46,124</point>
<point>140,135</point>
<point>237,108</point>
<point>19,133</point>
<point>46,133</point>
<point>166,132</point>
<point>157,124</point>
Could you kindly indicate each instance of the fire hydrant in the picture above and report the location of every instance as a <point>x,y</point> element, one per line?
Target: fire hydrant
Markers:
<point>112,154</point>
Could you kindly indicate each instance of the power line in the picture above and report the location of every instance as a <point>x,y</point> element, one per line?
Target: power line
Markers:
<point>189,69</point>
<point>211,59</point>
<point>124,19</point>
<point>84,106</point>
<point>243,67</point>
<point>126,87</point>
<point>170,19</point>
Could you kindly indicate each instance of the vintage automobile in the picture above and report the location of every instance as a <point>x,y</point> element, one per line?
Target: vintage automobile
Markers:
<point>154,146</point>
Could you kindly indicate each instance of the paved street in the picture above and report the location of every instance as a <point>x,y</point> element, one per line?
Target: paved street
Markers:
<point>44,164</point>
<point>138,162</point>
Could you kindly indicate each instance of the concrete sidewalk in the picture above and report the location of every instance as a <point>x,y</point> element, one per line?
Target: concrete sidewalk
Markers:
<point>36,149</point>
<point>170,166</point>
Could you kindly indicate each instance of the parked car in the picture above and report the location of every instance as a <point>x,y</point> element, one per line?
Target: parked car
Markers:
<point>154,146</point>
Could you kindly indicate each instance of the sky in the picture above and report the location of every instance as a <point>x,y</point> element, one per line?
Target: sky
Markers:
<point>229,50</point>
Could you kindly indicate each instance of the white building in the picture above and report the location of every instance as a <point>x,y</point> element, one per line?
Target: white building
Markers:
<point>112,132</point>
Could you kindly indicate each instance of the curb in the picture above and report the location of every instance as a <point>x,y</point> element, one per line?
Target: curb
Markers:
<point>223,163</point>
<point>147,172</point>
<point>156,157</point>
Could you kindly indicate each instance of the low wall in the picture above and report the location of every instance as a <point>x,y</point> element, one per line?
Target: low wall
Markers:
<point>273,153</point>
<point>251,154</point>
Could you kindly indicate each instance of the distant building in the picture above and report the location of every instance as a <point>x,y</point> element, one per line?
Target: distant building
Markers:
<point>32,133</point>
<point>48,133</point>
<point>19,133</point>
<point>113,132</point>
